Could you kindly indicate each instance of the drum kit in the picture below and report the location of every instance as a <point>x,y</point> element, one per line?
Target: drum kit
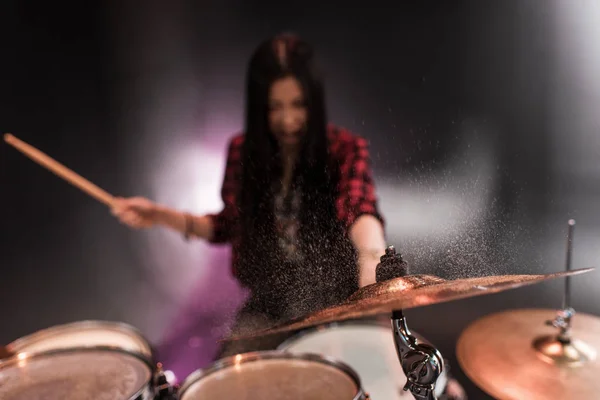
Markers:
<point>338,353</point>
<point>346,352</point>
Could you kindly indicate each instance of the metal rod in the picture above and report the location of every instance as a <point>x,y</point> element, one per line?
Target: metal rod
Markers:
<point>567,297</point>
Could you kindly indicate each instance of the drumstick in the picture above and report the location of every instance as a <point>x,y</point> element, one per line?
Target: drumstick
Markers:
<point>60,170</point>
<point>5,353</point>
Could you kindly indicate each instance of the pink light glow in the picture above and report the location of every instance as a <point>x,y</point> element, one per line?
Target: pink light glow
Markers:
<point>188,176</point>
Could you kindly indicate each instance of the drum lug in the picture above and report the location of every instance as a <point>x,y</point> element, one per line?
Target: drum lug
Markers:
<point>163,389</point>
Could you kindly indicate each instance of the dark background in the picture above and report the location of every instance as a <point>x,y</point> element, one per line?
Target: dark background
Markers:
<point>482,118</point>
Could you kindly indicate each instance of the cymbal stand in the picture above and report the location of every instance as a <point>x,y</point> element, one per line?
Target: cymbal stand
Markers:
<point>422,363</point>
<point>562,348</point>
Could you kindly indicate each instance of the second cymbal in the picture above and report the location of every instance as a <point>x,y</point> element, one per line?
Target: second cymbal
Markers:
<point>408,292</point>
<point>498,353</point>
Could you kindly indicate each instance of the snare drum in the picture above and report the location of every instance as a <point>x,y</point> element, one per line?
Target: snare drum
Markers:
<point>368,347</point>
<point>85,334</point>
<point>77,374</point>
<point>274,375</point>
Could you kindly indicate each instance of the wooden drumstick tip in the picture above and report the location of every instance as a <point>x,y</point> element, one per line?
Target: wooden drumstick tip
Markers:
<point>8,137</point>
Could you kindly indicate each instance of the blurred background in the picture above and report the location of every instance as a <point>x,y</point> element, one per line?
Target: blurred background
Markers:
<point>482,117</point>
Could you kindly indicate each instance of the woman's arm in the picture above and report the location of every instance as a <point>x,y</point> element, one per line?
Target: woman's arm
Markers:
<point>139,212</point>
<point>358,209</point>
<point>368,238</point>
<point>199,226</point>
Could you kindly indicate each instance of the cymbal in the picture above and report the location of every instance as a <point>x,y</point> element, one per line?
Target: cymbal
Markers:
<point>406,292</point>
<point>497,353</point>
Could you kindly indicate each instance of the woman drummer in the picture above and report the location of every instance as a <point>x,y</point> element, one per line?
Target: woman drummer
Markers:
<point>300,208</point>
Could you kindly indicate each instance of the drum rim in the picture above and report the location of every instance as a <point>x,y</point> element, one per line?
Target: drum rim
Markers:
<point>122,327</point>
<point>270,355</point>
<point>141,393</point>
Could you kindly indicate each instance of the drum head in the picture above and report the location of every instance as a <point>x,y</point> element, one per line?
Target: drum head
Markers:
<point>74,375</point>
<point>367,346</point>
<point>84,334</point>
<point>273,376</point>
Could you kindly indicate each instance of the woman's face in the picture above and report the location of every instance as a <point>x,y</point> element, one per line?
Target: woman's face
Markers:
<point>287,111</point>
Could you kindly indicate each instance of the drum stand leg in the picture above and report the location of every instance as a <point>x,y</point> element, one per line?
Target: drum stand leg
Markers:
<point>422,363</point>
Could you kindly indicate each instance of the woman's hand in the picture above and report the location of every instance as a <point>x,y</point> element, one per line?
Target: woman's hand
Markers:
<point>137,212</point>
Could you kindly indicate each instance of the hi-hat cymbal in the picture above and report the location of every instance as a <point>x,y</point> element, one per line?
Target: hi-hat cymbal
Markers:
<point>497,352</point>
<point>410,291</point>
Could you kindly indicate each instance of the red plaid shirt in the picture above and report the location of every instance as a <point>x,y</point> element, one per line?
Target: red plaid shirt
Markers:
<point>356,190</point>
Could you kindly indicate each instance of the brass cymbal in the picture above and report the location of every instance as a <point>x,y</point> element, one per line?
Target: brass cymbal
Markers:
<point>410,291</point>
<point>497,353</point>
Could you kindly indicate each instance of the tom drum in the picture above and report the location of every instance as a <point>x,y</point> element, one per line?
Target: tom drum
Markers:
<point>274,375</point>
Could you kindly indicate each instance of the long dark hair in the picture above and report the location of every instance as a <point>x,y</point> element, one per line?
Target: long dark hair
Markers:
<point>329,265</point>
